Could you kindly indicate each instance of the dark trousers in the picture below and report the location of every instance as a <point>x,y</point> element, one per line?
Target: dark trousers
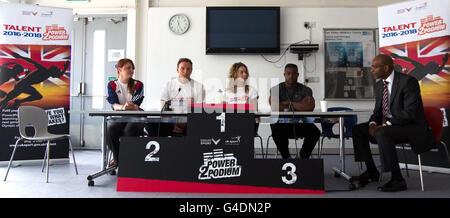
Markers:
<point>386,138</point>
<point>163,130</point>
<point>282,132</point>
<point>116,130</point>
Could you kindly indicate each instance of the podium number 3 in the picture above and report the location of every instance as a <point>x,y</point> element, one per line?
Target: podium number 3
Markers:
<point>149,156</point>
<point>290,173</point>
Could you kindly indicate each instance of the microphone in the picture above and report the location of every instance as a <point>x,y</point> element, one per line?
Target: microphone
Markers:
<point>168,102</point>
<point>291,107</point>
<point>166,105</point>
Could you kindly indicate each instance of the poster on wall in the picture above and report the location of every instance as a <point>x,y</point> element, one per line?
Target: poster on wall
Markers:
<point>35,54</point>
<point>416,35</point>
<point>348,55</point>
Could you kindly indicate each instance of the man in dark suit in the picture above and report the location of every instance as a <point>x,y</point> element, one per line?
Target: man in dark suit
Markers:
<point>398,117</point>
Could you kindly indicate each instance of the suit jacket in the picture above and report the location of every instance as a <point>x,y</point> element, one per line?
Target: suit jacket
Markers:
<point>405,104</point>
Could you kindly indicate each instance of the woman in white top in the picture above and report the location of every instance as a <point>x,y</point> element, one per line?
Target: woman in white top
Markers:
<point>124,93</point>
<point>238,90</point>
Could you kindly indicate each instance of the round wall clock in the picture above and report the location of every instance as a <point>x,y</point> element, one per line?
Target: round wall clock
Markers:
<point>179,24</point>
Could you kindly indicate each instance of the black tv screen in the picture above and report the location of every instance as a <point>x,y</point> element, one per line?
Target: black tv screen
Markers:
<point>237,30</point>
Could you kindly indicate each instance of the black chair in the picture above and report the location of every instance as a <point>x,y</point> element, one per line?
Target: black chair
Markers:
<point>327,127</point>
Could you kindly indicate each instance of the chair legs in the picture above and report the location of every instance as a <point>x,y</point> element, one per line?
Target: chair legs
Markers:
<point>73,156</point>
<point>262,147</point>
<point>420,167</point>
<point>46,162</point>
<point>43,162</point>
<point>48,159</point>
<point>276,154</point>
<point>446,152</point>
<point>420,172</point>
<point>297,155</point>
<point>267,146</point>
<point>319,149</point>
<point>12,157</point>
<point>406,161</point>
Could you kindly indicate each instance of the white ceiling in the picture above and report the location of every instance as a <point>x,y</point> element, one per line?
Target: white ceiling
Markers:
<point>202,3</point>
<point>282,3</point>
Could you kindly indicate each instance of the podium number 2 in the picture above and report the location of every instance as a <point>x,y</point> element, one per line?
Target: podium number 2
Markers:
<point>221,117</point>
<point>290,173</point>
<point>149,156</point>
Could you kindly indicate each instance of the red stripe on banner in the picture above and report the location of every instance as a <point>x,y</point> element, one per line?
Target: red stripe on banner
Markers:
<point>149,185</point>
<point>433,45</point>
<point>225,106</point>
<point>53,53</point>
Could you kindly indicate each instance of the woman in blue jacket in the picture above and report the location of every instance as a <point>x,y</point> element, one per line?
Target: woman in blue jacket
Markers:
<point>124,93</point>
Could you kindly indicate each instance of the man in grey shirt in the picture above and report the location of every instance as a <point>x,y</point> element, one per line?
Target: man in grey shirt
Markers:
<point>293,96</point>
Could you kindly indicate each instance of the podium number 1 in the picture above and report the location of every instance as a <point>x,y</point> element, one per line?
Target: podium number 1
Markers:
<point>221,117</point>
<point>290,173</point>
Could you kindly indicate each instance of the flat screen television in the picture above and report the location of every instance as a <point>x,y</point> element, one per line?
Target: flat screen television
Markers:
<point>243,30</point>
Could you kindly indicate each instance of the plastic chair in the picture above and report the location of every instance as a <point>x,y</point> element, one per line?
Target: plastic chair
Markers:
<point>435,120</point>
<point>327,127</point>
<point>304,120</point>
<point>37,117</point>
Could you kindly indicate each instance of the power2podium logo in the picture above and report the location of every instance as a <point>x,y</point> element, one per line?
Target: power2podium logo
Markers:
<point>55,33</point>
<point>217,165</point>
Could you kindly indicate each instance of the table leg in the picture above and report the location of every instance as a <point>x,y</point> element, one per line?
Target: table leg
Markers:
<point>341,171</point>
<point>104,169</point>
<point>104,150</point>
<point>342,143</point>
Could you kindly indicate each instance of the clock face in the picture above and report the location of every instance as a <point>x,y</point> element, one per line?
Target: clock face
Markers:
<point>179,23</point>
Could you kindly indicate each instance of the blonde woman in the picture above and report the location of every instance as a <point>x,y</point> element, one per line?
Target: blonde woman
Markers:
<point>238,90</point>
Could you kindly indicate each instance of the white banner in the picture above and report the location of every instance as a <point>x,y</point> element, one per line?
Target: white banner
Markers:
<point>34,25</point>
<point>413,21</point>
<point>35,55</point>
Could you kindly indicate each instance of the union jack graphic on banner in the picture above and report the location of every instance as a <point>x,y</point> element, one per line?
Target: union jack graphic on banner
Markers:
<point>45,55</point>
<point>427,61</point>
<point>33,73</point>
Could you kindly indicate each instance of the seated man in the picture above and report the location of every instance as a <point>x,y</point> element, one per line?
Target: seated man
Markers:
<point>177,94</point>
<point>398,117</point>
<point>293,96</point>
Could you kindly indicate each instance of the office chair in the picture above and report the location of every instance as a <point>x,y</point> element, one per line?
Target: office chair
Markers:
<point>327,127</point>
<point>37,117</point>
<point>435,120</point>
<point>304,120</point>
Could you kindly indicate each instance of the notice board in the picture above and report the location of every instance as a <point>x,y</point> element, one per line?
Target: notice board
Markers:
<point>348,56</point>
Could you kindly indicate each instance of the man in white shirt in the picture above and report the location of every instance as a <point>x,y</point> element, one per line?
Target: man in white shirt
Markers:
<point>179,92</point>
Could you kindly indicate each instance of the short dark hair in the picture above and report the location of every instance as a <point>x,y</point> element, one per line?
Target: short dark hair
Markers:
<point>184,60</point>
<point>290,66</point>
<point>386,60</point>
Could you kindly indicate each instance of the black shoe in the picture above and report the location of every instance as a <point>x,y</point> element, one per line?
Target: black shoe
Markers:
<point>366,177</point>
<point>393,186</point>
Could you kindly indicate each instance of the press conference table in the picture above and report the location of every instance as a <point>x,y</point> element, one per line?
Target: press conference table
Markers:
<point>170,117</point>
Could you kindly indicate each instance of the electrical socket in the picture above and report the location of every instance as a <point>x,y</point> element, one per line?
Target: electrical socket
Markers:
<point>309,24</point>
